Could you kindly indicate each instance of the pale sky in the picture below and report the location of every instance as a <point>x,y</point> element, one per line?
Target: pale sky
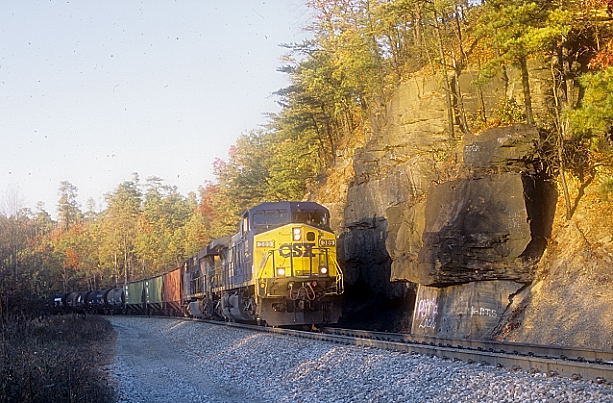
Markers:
<point>91,91</point>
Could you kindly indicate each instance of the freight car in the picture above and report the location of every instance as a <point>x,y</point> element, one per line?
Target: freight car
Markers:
<point>280,269</point>
<point>98,301</point>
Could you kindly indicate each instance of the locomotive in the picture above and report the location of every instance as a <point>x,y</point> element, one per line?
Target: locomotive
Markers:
<point>279,269</point>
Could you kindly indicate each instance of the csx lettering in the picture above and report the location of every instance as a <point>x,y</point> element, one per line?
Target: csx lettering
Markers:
<point>296,250</point>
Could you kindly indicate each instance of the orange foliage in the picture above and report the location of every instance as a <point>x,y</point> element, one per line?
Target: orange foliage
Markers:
<point>72,258</point>
<point>608,4</point>
<point>604,58</point>
<point>206,195</point>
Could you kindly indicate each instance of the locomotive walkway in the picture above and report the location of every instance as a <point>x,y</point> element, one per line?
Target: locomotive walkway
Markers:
<point>168,359</point>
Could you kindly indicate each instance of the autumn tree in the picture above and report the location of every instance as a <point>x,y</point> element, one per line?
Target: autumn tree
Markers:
<point>160,239</point>
<point>119,228</point>
<point>242,180</point>
<point>67,206</point>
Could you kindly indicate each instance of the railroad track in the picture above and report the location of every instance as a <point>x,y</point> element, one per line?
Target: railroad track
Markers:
<point>574,363</point>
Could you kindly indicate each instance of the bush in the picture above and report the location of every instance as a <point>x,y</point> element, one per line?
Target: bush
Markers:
<point>55,359</point>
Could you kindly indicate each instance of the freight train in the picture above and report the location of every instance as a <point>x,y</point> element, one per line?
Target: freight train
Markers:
<point>279,269</point>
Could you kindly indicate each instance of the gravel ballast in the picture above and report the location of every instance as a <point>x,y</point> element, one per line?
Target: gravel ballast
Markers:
<point>165,360</point>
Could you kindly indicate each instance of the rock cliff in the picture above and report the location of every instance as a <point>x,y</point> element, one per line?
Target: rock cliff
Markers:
<point>438,234</point>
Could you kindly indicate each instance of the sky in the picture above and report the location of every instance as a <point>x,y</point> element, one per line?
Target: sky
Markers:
<point>92,91</point>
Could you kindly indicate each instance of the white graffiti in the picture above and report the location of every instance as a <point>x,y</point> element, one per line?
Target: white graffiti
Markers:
<point>472,148</point>
<point>516,220</point>
<point>427,311</point>
<point>480,311</point>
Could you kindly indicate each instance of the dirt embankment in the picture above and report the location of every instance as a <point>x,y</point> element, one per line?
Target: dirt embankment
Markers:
<point>570,303</point>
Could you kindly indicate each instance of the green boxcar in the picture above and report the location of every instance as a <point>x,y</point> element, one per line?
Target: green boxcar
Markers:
<point>153,287</point>
<point>134,292</point>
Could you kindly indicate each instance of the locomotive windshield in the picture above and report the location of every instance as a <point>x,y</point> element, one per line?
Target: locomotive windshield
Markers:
<point>267,216</point>
<point>318,218</point>
<point>271,218</point>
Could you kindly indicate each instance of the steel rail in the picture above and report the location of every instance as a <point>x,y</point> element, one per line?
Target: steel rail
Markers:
<point>509,355</point>
<point>537,350</point>
<point>517,357</point>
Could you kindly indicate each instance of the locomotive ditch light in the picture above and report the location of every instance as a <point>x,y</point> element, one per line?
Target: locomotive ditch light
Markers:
<point>323,270</point>
<point>296,234</point>
<point>281,271</point>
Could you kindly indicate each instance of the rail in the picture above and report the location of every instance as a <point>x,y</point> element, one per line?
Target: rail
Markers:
<point>553,360</point>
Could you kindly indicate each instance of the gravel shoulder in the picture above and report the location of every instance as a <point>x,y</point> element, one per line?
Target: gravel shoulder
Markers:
<point>164,360</point>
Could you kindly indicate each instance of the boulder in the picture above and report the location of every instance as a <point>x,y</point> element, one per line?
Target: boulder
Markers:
<point>468,311</point>
<point>501,149</point>
<point>475,229</point>
<point>491,224</point>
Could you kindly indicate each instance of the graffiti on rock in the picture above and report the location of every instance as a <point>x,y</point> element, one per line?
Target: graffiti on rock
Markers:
<point>480,311</point>
<point>427,311</point>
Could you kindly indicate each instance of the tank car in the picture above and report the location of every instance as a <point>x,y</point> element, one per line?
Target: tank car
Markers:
<point>114,299</point>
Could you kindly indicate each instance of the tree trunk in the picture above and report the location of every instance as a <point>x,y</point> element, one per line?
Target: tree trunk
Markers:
<point>525,81</point>
<point>450,114</point>
<point>561,129</point>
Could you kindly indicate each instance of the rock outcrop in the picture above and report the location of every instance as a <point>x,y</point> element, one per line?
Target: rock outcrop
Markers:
<point>492,224</point>
<point>421,208</point>
<point>469,310</point>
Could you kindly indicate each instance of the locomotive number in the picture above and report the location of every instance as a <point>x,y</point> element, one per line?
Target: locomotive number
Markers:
<point>296,250</point>
<point>327,242</point>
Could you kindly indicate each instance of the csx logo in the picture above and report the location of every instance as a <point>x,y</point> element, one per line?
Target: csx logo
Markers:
<point>296,250</point>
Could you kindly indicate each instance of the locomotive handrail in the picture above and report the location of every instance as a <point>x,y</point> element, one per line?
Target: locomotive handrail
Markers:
<point>340,278</point>
<point>262,267</point>
<point>263,264</point>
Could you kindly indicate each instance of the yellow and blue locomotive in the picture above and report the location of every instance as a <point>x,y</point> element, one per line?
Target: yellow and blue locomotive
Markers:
<point>280,268</point>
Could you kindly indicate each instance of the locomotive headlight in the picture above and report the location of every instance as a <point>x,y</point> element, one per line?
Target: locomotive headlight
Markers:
<point>280,271</point>
<point>296,234</point>
<point>323,270</point>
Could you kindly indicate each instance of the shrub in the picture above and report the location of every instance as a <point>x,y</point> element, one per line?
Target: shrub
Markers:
<point>55,359</point>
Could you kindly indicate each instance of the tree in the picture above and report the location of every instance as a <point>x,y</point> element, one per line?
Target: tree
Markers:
<point>242,181</point>
<point>518,29</point>
<point>160,239</point>
<point>67,206</point>
<point>119,227</point>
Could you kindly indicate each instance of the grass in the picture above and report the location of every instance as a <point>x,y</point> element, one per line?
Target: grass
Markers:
<point>55,359</point>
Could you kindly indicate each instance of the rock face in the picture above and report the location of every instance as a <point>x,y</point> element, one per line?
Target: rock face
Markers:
<point>490,225</point>
<point>421,208</point>
<point>475,230</point>
<point>469,310</point>
<point>501,149</point>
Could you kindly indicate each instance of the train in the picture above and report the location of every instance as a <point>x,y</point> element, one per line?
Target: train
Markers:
<point>279,269</point>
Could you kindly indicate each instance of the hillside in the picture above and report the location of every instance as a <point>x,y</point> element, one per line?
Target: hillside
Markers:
<point>518,265</point>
